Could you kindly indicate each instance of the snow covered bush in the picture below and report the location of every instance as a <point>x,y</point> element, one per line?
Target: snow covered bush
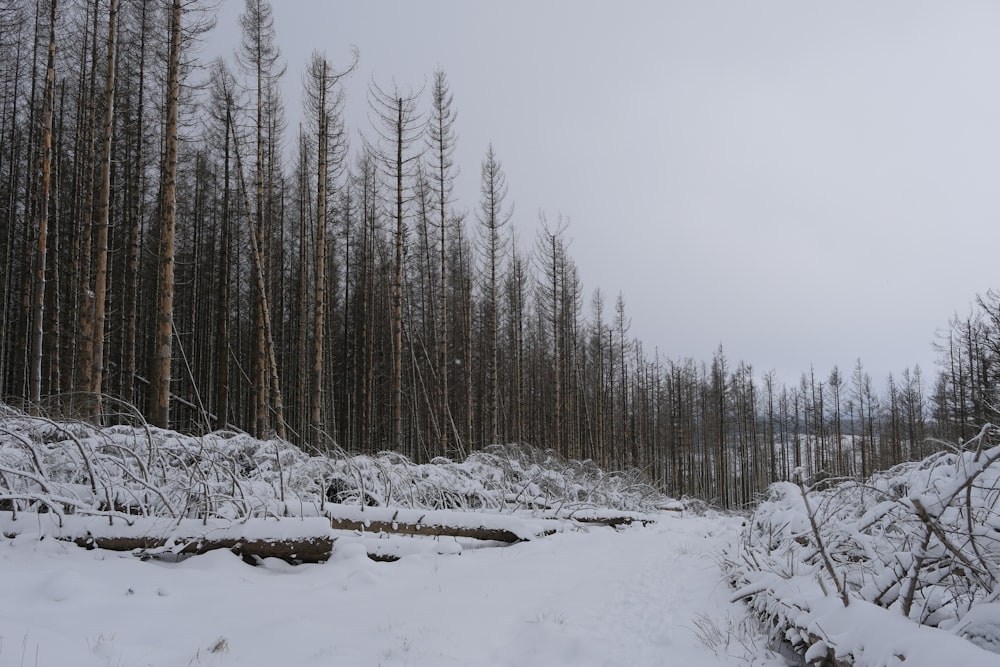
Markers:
<point>921,540</point>
<point>75,467</point>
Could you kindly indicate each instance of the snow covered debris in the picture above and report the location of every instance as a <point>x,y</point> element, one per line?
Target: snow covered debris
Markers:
<point>916,550</point>
<point>121,471</point>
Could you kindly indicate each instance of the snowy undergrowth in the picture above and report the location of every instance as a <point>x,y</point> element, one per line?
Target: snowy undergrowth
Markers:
<point>126,470</point>
<point>916,547</point>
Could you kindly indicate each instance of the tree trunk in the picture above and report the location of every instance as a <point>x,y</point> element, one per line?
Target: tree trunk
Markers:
<point>35,378</point>
<point>397,293</point>
<point>135,223</point>
<point>259,358</point>
<point>101,263</point>
<point>320,284</point>
<point>159,409</point>
<point>300,550</point>
<point>84,379</point>
<point>225,291</point>
<point>270,361</point>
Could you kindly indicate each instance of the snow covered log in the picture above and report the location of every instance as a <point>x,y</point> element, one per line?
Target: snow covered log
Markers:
<point>301,550</point>
<point>613,522</point>
<point>306,540</point>
<point>427,529</point>
<point>439,523</point>
<point>827,633</point>
<point>913,553</point>
<point>613,518</point>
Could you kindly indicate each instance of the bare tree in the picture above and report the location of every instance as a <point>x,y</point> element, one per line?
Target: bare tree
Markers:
<point>222,87</point>
<point>135,210</point>
<point>441,146</point>
<point>550,254</point>
<point>326,102</point>
<point>516,294</point>
<point>35,384</point>
<point>103,207</point>
<point>257,256</point>
<point>83,246</point>
<point>493,218</point>
<point>259,54</point>
<point>398,127</point>
<point>159,408</point>
<point>835,381</point>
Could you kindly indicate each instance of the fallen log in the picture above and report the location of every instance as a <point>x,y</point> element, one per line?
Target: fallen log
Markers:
<point>438,523</point>
<point>301,550</point>
<point>307,540</point>
<point>425,529</point>
<point>613,521</point>
<point>604,517</point>
<point>823,632</point>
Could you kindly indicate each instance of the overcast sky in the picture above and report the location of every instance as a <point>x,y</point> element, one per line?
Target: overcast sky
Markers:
<point>804,182</point>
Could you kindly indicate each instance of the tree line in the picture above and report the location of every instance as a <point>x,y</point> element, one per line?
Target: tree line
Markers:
<point>161,250</point>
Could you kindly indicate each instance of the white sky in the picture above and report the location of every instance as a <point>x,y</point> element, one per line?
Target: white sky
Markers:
<point>804,182</point>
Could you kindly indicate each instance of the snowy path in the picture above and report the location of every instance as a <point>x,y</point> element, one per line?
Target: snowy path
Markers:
<point>596,598</point>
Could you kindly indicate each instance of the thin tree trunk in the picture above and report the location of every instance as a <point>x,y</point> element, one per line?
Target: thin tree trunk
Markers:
<point>84,367</point>
<point>442,102</point>
<point>320,284</point>
<point>260,360</point>
<point>101,268</point>
<point>53,344</point>
<point>270,360</point>
<point>159,409</point>
<point>368,322</point>
<point>135,222</point>
<point>225,291</point>
<point>397,293</point>
<point>469,405</point>
<point>556,351</point>
<point>35,381</point>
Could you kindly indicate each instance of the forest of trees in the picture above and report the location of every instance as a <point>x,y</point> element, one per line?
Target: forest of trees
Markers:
<point>158,249</point>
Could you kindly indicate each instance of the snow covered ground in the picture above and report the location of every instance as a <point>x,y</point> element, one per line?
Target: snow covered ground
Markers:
<point>649,595</point>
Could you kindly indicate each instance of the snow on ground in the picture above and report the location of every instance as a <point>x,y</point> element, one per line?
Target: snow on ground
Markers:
<point>639,596</point>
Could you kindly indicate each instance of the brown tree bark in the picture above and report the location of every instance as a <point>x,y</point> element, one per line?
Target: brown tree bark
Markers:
<point>35,377</point>
<point>103,206</point>
<point>159,408</point>
<point>301,550</point>
<point>131,289</point>
<point>84,292</point>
